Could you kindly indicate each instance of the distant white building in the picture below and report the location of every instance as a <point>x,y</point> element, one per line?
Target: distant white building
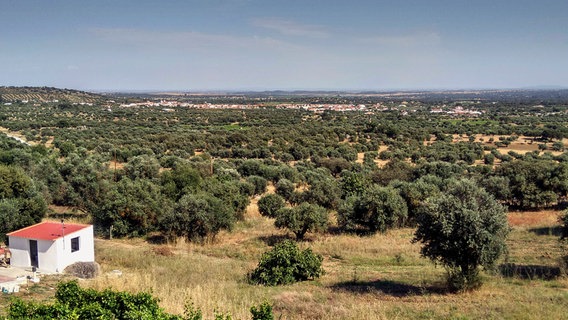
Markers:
<point>51,246</point>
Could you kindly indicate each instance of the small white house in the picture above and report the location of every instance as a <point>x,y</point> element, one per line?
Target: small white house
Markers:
<point>51,246</point>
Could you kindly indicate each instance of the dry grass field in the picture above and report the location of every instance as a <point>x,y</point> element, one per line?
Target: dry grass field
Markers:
<point>376,277</point>
<point>522,145</point>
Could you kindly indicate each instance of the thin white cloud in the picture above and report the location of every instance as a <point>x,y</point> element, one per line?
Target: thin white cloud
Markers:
<point>189,40</point>
<point>291,28</point>
<point>408,40</point>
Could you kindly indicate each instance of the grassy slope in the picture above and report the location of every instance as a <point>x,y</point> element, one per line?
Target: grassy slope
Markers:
<point>378,277</point>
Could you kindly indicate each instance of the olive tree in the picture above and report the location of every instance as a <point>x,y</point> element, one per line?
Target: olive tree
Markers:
<point>21,204</point>
<point>463,228</point>
<point>376,210</point>
<point>269,204</point>
<point>197,217</point>
<point>285,188</point>
<point>302,218</point>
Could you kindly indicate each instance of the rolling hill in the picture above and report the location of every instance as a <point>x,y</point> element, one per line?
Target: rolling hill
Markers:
<point>46,94</point>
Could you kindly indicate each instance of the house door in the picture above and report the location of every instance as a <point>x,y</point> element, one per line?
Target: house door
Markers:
<point>33,253</point>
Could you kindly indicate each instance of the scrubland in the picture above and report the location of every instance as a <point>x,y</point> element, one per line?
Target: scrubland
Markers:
<point>374,277</point>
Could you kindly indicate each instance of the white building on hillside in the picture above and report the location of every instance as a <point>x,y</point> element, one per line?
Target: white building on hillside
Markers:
<point>51,246</point>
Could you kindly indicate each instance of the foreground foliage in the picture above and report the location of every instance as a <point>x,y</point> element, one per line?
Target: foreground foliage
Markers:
<point>286,264</point>
<point>20,203</point>
<point>73,302</point>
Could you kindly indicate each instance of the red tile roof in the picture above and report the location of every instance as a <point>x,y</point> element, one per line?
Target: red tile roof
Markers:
<point>48,230</point>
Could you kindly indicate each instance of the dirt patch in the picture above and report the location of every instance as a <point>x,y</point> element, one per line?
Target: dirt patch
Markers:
<point>381,163</point>
<point>534,218</point>
<point>252,209</point>
<point>360,157</point>
<point>115,165</point>
<point>49,142</point>
<point>60,209</point>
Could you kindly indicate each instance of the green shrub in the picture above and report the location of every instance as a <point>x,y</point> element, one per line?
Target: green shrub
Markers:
<point>73,302</point>
<point>263,312</point>
<point>269,204</point>
<point>285,188</point>
<point>376,210</point>
<point>259,184</point>
<point>286,264</point>
<point>302,218</point>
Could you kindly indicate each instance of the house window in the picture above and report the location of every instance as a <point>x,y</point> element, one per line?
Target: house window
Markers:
<point>75,244</point>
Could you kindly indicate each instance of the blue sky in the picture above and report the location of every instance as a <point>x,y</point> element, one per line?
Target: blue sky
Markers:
<point>263,45</point>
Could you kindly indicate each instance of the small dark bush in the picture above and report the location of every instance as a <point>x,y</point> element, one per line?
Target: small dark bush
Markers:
<point>286,264</point>
<point>83,270</point>
<point>263,312</point>
<point>269,204</point>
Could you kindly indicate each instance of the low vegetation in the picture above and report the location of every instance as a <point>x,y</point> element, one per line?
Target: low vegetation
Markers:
<point>286,264</point>
<point>74,302</point>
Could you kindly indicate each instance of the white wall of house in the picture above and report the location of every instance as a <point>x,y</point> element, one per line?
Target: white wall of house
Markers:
<point>19,248</point>
<point>86,252</point>
<point>54,256</point>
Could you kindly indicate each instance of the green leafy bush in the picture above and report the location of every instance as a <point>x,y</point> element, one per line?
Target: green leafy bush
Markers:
<point>263,312</point>
<point>259,184</point>
<point>269,204</point>
<point>286,264</point>
<point>197,217</point>
<point>302,218</point>
<point>73,302</point>
<point>376,210</point>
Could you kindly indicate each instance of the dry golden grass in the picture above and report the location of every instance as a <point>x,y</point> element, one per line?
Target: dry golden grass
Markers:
<point>376,277</point>
<point>534,218</point>
<point>49,142</point>
<point>115,165</point>
<point>16,134</point>
<point>360,157</point>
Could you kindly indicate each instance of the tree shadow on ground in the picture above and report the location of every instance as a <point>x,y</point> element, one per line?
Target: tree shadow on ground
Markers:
<point>562,206</point>
<point>361,232</point>
<point>547,231</point>
<point>335,230</point>
<point>388,287</point>
<point>66,215</point>
<point>273,239</point>
<point>156,239</point>
<point>530,272</point>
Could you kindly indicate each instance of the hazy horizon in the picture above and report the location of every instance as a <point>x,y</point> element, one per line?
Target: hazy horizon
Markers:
<point>251,45</point>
